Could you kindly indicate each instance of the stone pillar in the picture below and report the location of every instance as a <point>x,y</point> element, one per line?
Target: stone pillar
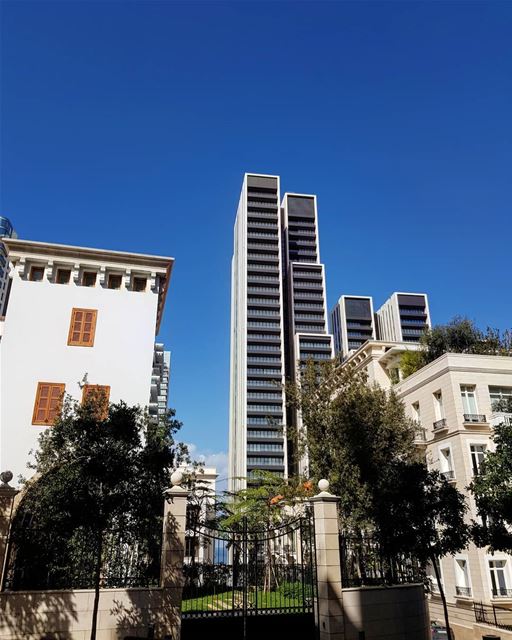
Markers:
<point>329,615</point>
<point>168,624</point>
<point>173,543</point>
<point>7,495</point>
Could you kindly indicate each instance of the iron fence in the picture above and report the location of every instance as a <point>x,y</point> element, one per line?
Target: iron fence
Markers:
<point>39,560</point>
<point>493,615</point>
<point>364,563</point>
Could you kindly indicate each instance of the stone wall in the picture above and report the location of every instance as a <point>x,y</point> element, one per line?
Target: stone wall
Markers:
<point>386,613</point>
<point>66,615</point>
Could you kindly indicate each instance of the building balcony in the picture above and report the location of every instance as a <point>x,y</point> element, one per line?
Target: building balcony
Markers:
<point>420,437</point>
<point>499,417</point>
<point>475,418</point>
<point>440,425</point>
<point>448,475</point>
<point>463,592</point>
<point>501,592</point>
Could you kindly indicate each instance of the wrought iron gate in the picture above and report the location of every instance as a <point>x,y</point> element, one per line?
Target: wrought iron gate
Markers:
<point>249,582</point>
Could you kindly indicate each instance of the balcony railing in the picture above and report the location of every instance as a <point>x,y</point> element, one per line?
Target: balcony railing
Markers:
<point>463,591</point>
<point>474,417</point>
<point>493,615</point>
<point>448,475</point>
<point>420,435</point>
<point>499,417</point>
<point>440,424</point>
<point>501,592</point>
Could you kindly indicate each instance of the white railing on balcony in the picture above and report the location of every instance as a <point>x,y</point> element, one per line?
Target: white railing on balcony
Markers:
<point>500,417</point>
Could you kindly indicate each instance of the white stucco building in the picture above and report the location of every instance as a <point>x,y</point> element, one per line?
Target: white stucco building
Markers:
<point>76,317</point>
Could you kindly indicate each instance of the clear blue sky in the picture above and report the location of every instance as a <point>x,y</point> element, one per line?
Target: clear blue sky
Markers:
<point>129,125</point>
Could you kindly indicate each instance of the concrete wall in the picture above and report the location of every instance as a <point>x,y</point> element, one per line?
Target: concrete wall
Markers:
<point>66,615</point>
<point>386,613</point>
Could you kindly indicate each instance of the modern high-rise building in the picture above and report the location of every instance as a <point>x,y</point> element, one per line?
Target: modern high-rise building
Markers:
<point>305,309</point>
<point>352,323</point>
<point>6,231</point>
<point>159,393</point>
<point>278,316</point>
<point>403,317</point>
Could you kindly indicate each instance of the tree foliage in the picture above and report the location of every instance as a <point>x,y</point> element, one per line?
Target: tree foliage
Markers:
<point>492,488</point>
<point>460,335</point>
<point>98,474</point>
<point>353,433</point>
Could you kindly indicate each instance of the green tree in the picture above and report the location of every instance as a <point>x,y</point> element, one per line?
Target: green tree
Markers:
<point>412,361</point>
<point>267,502</point>
<point>460,335</point>
<point>359,437</point>
<point>353,432</point>
<point>100,469</point>
<point>492,489</point>
<point>420,513</point>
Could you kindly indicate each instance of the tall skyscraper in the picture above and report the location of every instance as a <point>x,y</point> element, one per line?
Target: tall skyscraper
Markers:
<point>403,317</point>
<point>6,231</point>
<point>278,315</point>
<point>306,326</point>
<point>352,323</point>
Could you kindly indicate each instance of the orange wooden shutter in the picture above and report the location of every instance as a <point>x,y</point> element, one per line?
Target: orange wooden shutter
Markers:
<point>48,402</point>
<point>82,328</point>
<point>97,389</point>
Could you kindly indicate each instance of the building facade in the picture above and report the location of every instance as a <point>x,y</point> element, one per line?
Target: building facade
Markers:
<point>159,394</point>
<point>6,231</point>
<point>403,317</point>
<point>77,319</point>
<point>456,402</point>
<point>352,323</point>
<point>278,316</point>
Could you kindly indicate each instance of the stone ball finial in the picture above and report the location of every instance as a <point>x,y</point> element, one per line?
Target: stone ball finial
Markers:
<point>6,477</point>
<point>323,484</point>
<point>176,478</point>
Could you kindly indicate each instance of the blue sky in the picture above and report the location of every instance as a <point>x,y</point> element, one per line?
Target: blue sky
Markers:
<point>129,125</point>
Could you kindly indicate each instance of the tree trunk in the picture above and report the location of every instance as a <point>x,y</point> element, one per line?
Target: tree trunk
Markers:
<point>97,580</point>
<point>443,597</point>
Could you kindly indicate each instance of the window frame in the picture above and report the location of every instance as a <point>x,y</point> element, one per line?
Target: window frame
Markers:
<point>36,267</point>
<point>135,278</point>
<point>87,272</point>
<point>464,389</point>
<point>506,573</point>
<point>80,342</point>
<point>40,385</point>
<point>61,270</point>
<point>438,405</point>
<point>449,458</point>
<point>477,443</point>
<point>115,275</point>
<point>466,572</point>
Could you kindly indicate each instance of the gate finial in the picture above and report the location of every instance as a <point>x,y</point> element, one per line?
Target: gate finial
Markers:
<point>323,485</point>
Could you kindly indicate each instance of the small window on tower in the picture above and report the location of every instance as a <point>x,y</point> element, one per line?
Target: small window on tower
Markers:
<point>36,274</point>
<point>140,284</point>
<point>89,279</point>
<point>82,328</point>
<point>114,281</point>
<point>63,276</point>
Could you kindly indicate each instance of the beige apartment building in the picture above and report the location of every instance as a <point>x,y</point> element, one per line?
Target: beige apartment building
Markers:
<point>455,400</point>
